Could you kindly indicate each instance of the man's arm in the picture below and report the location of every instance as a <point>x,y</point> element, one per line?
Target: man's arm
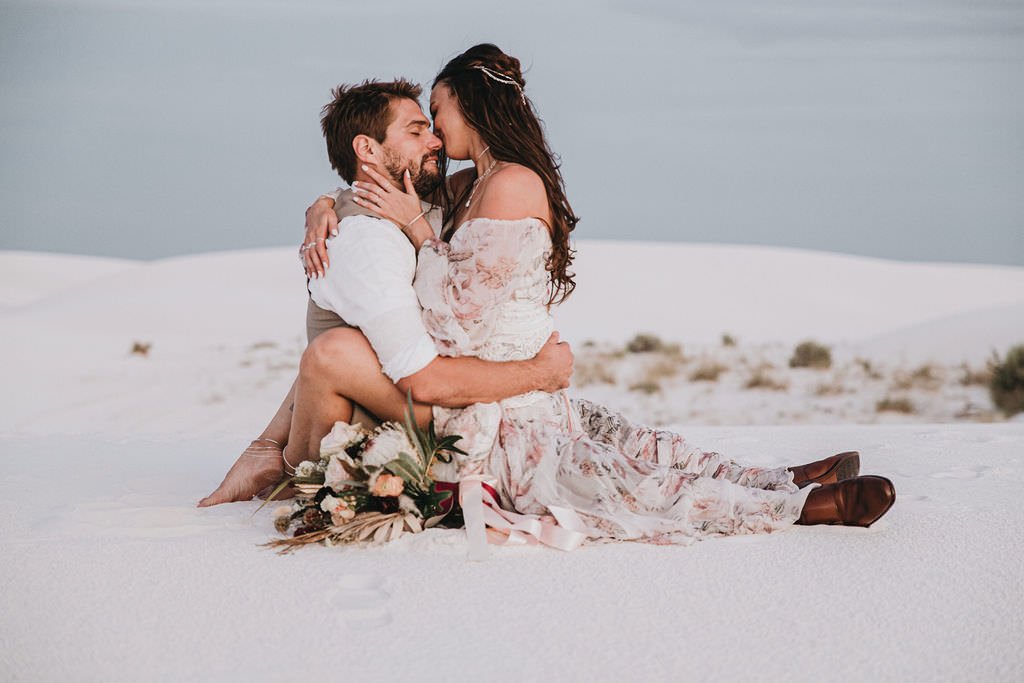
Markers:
<point>459,382</point>
<point>371,288</point>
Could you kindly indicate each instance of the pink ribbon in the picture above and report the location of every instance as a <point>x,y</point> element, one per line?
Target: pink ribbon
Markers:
<point>487,521</point>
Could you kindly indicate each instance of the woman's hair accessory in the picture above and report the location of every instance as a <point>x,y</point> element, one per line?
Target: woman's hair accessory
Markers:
<point>501,78</point>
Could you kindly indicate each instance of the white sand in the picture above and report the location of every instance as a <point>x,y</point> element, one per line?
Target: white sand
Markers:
<point>110,573</point>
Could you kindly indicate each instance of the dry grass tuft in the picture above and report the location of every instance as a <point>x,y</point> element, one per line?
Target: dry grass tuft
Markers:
<point>707,371</point>
<point>831,388</point>
<point>869,370</point>
<point>763,379</point>
<point>596,370</point>
<point>925,377</point>
<point>666,367</point>
<point>646,387</point>
<point>890,404</point>
<point>970,377</point>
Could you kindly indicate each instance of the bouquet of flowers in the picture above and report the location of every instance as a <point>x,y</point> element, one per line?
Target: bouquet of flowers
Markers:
<point>367,486</point>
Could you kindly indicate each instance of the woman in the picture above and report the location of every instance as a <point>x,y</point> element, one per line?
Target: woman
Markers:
<point>486,292</point>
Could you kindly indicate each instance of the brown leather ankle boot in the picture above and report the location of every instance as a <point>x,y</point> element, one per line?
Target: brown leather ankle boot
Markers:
<point>828,471</point>
<point>860,501</point>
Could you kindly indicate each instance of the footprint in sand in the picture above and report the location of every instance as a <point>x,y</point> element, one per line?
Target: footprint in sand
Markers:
<point>360,601</point>
<point>961,472</point>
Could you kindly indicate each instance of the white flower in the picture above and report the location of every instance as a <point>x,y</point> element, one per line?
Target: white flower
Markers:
<point>341,436</point>
<point>385,447</point>
<point>306,469</point>
<point>408,505</point>
<point>336,473</point>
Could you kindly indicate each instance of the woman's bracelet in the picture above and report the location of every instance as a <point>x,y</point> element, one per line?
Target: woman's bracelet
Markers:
<point>276,443</point>
<point>288,466</point>
<point>422,214</point>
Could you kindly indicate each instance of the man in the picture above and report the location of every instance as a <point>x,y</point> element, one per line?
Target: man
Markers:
<point>377,126</point>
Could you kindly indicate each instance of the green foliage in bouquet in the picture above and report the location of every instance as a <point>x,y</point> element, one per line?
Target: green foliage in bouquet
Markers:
<point>415,471</point>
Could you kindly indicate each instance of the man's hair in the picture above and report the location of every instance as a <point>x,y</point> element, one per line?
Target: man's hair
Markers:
<point>363,109</point>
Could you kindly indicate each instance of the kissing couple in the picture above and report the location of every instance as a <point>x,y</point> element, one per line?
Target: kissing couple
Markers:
<point>450,299</point>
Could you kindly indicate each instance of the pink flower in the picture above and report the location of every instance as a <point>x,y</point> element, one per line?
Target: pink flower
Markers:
<point>498,274</point>
<point>338,508</point>
<point>388,485</point>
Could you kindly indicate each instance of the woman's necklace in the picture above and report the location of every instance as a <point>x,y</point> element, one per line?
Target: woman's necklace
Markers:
<point>480,179</point>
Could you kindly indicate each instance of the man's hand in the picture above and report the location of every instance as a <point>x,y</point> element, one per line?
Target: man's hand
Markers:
<point>320,219</point>
<point>554,363</point>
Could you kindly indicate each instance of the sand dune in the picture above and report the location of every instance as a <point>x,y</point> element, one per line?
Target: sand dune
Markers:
<point>112,574</point>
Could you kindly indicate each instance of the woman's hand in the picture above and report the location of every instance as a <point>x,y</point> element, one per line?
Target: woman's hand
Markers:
<point>401,208</point>
<point>320,219</point>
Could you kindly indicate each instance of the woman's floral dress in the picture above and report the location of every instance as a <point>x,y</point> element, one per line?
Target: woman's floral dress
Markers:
<point>484,294</point>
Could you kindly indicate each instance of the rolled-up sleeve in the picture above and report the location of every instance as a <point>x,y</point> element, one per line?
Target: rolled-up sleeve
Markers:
<point>369,284</point>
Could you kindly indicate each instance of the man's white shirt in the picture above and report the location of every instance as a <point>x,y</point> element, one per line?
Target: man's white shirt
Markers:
<point>369,284</point>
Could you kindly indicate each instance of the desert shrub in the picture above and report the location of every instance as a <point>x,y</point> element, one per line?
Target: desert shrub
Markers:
<point>728,340</point>
<point>141,348</point>
<point>707,372</point>
<point>646,387</point>
<point>1007,384</point>
<point>645,343</point>
<point>762,379</point>
<point>894,405</point>
<point>810,354</point>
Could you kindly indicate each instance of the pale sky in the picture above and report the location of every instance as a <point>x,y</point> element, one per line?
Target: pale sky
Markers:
<point>151,129</point>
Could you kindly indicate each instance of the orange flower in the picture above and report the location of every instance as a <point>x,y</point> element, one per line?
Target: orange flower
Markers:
<point>388,485</point>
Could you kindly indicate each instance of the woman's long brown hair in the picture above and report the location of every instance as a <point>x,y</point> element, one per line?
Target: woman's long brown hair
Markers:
<point>506,121</point>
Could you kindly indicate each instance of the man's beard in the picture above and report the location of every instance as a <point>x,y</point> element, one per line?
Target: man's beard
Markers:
<point>424,179</point>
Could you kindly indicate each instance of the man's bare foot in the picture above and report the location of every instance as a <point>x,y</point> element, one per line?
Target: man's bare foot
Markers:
<point>255,470</point>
